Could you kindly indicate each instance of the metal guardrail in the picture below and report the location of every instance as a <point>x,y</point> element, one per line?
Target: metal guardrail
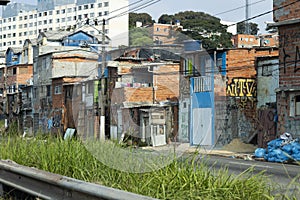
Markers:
<point>46,185</point>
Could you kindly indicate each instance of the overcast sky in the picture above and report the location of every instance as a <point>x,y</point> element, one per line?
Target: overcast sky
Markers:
<point>213,7</point>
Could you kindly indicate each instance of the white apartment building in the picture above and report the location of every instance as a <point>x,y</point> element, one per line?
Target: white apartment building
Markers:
<point>21,21</point>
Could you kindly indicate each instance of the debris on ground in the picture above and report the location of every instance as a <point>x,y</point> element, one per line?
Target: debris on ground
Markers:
<point>236,145</point>
<point>282,149</point>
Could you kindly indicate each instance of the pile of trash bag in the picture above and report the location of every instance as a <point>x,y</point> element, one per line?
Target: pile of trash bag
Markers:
<point>282,149</point>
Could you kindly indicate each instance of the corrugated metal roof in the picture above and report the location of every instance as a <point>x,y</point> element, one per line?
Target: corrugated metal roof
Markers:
<point>16,49</point>
<point>55,35</point>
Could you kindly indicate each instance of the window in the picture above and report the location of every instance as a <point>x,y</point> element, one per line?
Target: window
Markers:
<point>69,18</point>
<point>57,12</point>
<point>20,34</point>
<point>63,11</point>
<point>79,17</point>
<point>63,19</point>
<point>57,20</point>
<point>74,9</point>
<point>30,16</point>
<point>92,14</point>
<point>57,89</point>
<point>25,25</point>
<point>40,14</point>
<point>105,12</point>
<point>25,17</point>
<point>105,4</point>
<point>92,5</point>
<point>50,12</point>
<point>14,34</point>
<point>86,7</point>
<point>9,19</point>
<point>21,26</point>
<point>297,105</point>
<point>45,13</point>
<point>14,42</point>
<point>79,8</point>
<point>20,42</point>
<point>35,15</point>
<point>100,14</point>
<point>40,22</point>
<point>99,5</point>
<point>48,90</point>
<point>14,19</point>
<point>69,10</point>
<point>14,71</point>
<point>14,26</point>
<point>30,24</point>
<point>50,21</point>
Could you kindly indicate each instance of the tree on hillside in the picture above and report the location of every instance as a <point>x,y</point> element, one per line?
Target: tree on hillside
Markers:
<point>241,27</point>
<point>145,18</point>
<point>201,26</point>
<point>140,36</point>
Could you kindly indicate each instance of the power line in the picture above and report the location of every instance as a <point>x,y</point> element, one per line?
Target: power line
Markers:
<point>262,14</point>
<point>237,8</point>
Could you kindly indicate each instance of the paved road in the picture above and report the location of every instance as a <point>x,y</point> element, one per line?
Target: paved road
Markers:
<point>283,175</point>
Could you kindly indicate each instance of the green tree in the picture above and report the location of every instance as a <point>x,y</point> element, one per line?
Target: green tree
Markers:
<point>241,28</point>
<point>140,37</point>
<point>201,26</point>
<point>145,18</point>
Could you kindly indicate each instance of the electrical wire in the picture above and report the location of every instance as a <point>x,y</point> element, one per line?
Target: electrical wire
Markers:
<point>237,8</point>
<point>262,14</point>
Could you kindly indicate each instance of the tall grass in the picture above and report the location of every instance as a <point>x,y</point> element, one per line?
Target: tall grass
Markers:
<point>179,180</point>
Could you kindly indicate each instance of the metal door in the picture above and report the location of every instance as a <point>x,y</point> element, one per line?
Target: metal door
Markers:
<point>202,126</point>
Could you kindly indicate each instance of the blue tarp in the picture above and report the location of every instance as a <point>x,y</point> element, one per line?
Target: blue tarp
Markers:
<point>280,150</point>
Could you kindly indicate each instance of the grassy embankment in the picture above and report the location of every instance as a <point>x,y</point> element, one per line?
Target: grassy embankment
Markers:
<point>178,180</point>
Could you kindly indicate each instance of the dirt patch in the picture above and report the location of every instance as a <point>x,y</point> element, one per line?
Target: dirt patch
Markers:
<point>236,145</point>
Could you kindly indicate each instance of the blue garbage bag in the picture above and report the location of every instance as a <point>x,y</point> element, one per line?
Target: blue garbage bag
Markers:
<point>260,153</point>
<point>288,148</point>
<point>273,144</point>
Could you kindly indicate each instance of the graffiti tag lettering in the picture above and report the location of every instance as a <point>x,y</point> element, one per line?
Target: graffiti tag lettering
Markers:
<point>242,87</point>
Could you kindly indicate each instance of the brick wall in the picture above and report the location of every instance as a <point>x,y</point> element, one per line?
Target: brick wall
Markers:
<point>24,73</point>
<point>289,45</point>
<point>57,99</point>
<point>241,109</point>
<point>286,13</point>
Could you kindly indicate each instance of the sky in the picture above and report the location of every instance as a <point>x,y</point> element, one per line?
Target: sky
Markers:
<point>212,7</point>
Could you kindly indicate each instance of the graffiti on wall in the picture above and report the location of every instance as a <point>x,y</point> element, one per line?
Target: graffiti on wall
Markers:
<point>292,62</point>
<point>243,88</point>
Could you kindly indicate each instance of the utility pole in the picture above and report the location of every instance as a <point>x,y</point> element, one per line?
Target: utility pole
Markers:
<point>102,98</point>
<point>247,28</point>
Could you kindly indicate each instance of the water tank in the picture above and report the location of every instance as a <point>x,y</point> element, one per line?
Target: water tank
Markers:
<point>192,45</point>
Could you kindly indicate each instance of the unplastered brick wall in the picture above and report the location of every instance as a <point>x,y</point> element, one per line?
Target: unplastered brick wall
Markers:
<point>24,73</point>
<point>286,10</point>
<point>289,56</point>
<point>241,62</point>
